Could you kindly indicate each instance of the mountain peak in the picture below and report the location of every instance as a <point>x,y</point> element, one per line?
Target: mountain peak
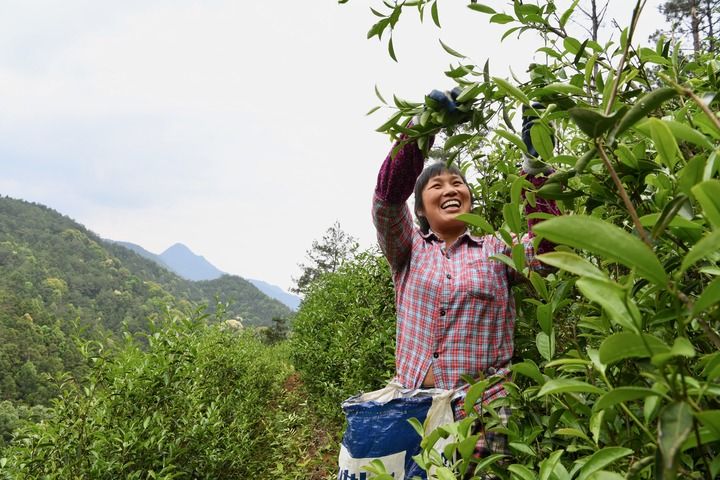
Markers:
<point>187,264</point>
<point>178,248</point>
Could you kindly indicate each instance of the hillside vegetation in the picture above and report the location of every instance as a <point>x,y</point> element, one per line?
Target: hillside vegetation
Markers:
<point>58,280</point>
<point>616,372</point>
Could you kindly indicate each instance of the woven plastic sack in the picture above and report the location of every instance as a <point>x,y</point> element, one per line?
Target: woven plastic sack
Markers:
<point>378,429</point>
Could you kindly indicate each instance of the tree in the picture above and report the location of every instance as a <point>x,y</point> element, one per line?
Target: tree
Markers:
<point>697,19</point>
<point>325,255</point>
<point>617,368</point>
<point>343,339</point>
<point>595,15</point>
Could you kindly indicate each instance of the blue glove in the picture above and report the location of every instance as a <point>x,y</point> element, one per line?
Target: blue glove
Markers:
<point>443,110</point>
<point>444,99</point>
<point>447,100</point>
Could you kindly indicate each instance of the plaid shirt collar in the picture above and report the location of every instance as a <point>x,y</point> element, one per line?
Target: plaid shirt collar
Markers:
<point>431,236</point>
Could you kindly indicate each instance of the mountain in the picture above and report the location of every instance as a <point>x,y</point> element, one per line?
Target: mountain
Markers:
<point>188,265</point>
<point>183,261</point>
<point>273,291</point>
<point>56,261</point>
<point>142,252</point>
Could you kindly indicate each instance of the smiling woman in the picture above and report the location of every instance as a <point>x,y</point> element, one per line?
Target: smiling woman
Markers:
<point>455,312</point>
<point>441,194</point>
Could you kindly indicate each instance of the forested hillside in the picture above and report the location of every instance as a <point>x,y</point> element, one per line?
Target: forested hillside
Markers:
<point>59,280</point>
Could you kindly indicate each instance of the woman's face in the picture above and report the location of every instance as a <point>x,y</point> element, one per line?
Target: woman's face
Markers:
<point>445,197</point>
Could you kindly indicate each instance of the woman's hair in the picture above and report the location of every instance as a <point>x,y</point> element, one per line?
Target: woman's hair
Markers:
<point>433,170</point>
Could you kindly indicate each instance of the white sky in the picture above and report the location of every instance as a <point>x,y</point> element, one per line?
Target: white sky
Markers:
<point>237,128</point>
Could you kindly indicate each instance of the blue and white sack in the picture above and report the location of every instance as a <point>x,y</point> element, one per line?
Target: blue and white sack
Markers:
<point>378,429</point>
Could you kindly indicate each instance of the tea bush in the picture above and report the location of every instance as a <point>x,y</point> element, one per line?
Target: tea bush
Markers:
<point>618,374</point>
<point>193,403</point>
<point>343,335</point>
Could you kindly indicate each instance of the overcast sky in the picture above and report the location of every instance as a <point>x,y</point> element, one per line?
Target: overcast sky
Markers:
<point>235,127</point>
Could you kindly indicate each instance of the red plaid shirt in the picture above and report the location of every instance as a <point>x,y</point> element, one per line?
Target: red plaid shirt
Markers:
<point>455,310</point>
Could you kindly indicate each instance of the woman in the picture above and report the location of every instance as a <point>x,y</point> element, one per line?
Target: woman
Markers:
<point>455,311</point>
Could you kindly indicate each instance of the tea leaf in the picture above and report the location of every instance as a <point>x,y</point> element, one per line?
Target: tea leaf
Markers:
<point>709,297</point>
<point>707,194</point>
<point>565,385</point>
<point>604,239</point>
<point>611,297</point>
<point>630,345</point>
<point>572,263</point>
<point>511,90</point>
<point>622,394</point>
<point>601,459</point>
<point>707,245</point>
<point>675,425</point>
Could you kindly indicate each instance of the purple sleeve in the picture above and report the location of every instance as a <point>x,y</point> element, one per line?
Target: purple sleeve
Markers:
<point>396,179</point>
<point>391,215</point>
<point>542,205</point>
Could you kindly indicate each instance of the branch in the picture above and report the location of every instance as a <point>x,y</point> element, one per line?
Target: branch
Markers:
<point>623,193</point>
<point>687,92</point>
<point>633,24</point>
<point>712,334</point>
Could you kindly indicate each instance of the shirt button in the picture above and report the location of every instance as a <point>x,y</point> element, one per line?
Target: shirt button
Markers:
<point>448,276</point>
<point>442,313</point>
<point>436,355</point>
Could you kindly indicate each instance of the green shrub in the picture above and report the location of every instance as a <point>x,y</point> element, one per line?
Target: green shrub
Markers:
<point>191,404</point>
<point>343,336</point>
<point>619,368</point>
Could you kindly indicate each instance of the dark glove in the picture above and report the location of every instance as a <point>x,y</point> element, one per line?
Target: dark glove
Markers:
<point>446,100</point>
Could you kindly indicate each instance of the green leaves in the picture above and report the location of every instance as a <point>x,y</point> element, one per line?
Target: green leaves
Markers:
<point>621,395</point>
<point>529,369</point>
<point>681,132</point>
<point>709,297</point>
<point>606,240</point>
<point>675,425</point>
<point>511,90</point>
<point>621,346</point>
<point>644,106</point>
<point>479,7</point>
<point>710,418</point>
<point>501,18</point>
<point>474,393</point>
<point>593,123</point>
<point>612,298</point>
<point>708,195</point>
<point>567,385</point>
<point>521,472</point>
<point>707,245</point>
<point>476,221</point>
<point>601,459</point>
<point>664,141</point>
<point>514,139</point>
<point>450,50</point>
<point>542,141</point>
<point>545,344</point>
<point>573,264</point>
